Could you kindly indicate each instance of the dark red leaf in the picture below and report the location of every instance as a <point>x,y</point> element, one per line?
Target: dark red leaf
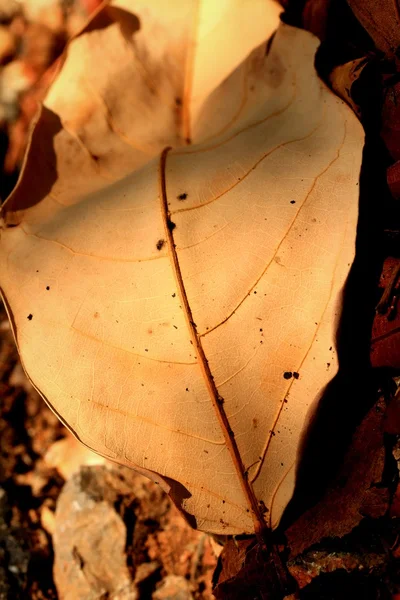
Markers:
<point>349,497</point>
<point>385,340</point>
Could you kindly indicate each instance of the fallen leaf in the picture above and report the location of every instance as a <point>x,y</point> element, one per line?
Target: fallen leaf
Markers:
<point>390,130</point>
<point>185,315</point>
<point>393,179</point>
<point>392,417</point>
<point>353,493</point>
<point>247,570</point>
<point>343,77</point>
<point>315,17</point>
<point>99,134</point>
<point>385,338</point>
<point>382,23</point>
<point>315,562</point>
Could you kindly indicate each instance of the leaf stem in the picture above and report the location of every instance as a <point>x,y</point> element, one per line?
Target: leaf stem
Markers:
<point>260,526</point>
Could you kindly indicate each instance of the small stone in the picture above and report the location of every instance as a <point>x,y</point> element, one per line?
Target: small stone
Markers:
<point>173,587</point>
<point>89,539</point>
<point>146,570</point>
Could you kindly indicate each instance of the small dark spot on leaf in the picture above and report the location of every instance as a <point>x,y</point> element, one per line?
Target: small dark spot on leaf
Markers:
<point>171,225</point>
<point>288,375</point>
<point>293,202</point>
<point>328,365</point>
<point>30,317</point>
<point>146,349</point>
<point>160,244</point>
<point>173,295</point>
<point>187,389</point>
<point>182,196</point>
<point>255,423</point>
<point>47,287</point>
<point>296,375</point>
<point>178,101</point>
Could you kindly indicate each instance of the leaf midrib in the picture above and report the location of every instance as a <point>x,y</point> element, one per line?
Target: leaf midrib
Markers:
<point>216,399</point>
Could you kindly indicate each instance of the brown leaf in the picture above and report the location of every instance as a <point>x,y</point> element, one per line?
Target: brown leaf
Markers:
<point>390,130</point>
<point>249,571</point>
<point>395,508</point>
<point>393,179</point>
<point>352,494</point>
<point>385,338</point>
<point>315,17</point>
<point>316,562</point>
<point>185,315</point>
<point>392,417</point>
<point>343,77</point>
<point>381,20</point>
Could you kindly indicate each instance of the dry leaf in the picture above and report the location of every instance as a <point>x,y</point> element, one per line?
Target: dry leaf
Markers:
<point>315,17</point>
<point>385,336</point>
<point>181,320</point>
<point>246,570</point>
<point>381,20</point>
<point>342,78</point>
<point>353,494</point>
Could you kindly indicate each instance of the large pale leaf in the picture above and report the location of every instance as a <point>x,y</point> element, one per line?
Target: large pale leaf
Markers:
<point>134,81</point>
<point>182,320</point>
